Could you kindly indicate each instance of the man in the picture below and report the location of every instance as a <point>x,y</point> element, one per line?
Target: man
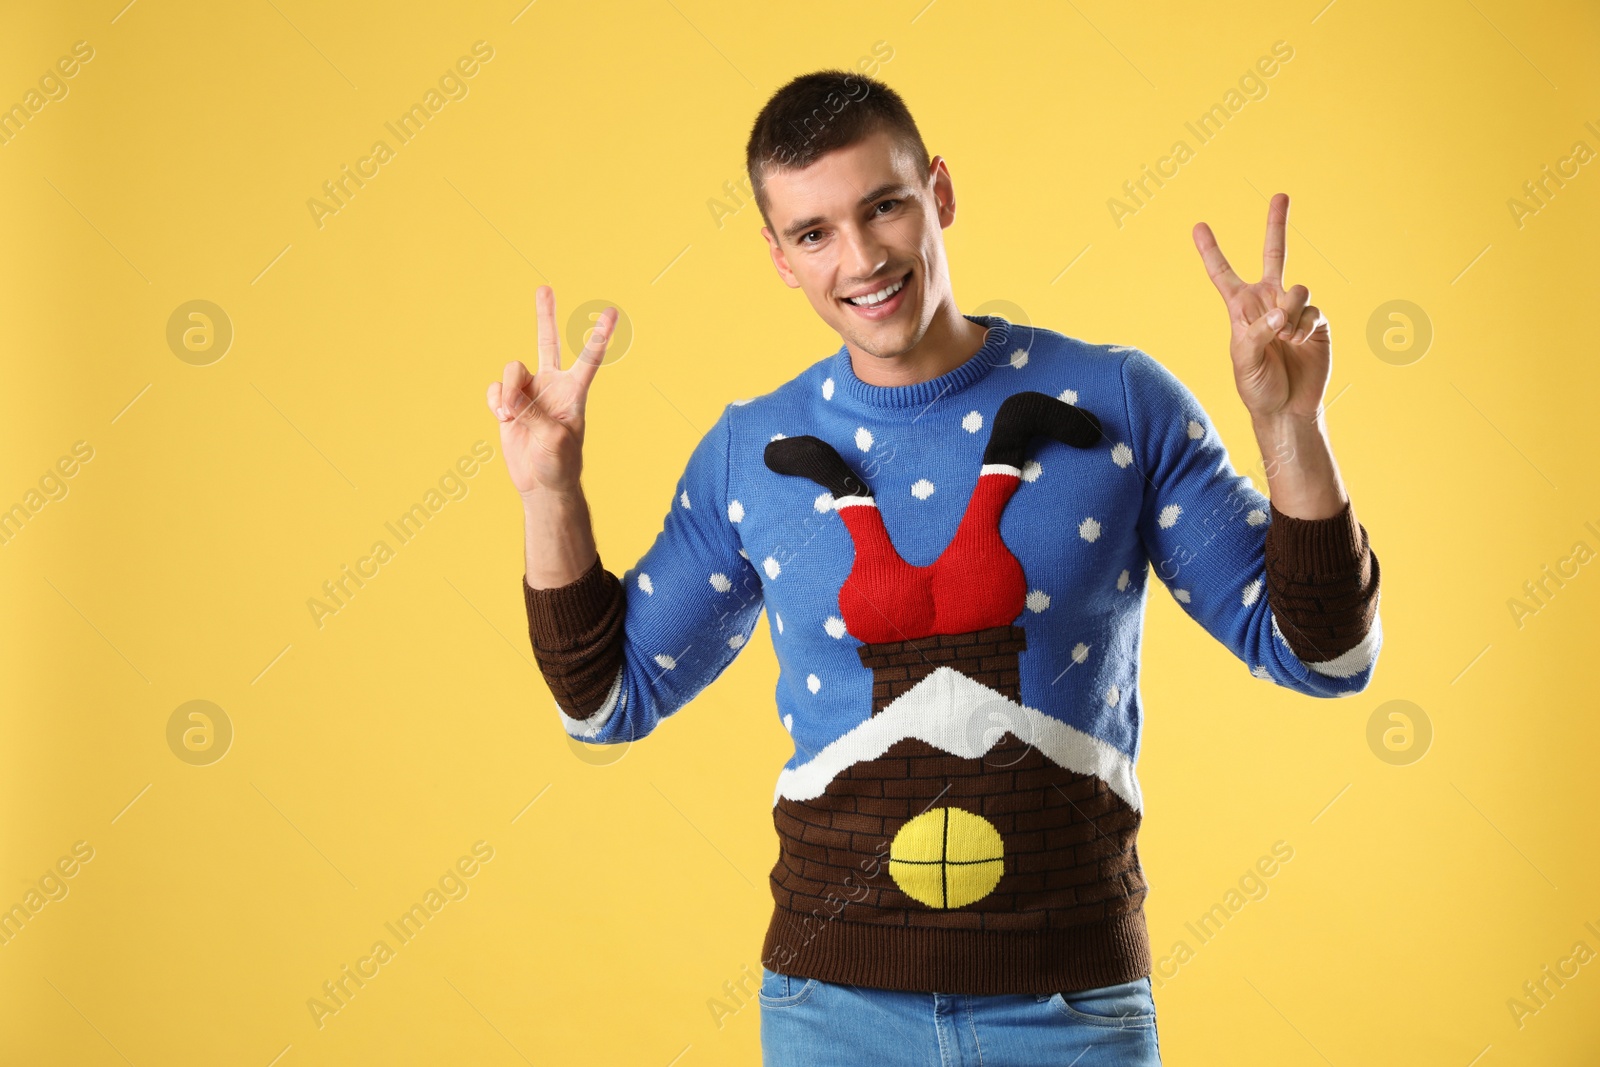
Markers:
<point>950,522</point>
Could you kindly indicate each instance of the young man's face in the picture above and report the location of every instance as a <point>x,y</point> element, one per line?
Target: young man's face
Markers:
<point>861,219</point>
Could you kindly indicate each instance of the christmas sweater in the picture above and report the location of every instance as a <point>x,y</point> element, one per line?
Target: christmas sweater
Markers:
<point>955,574</point>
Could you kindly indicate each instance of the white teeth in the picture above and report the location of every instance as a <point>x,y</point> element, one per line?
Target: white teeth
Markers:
<point>879,297</point>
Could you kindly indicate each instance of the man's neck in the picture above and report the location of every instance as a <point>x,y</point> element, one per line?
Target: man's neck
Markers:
<point>951,340</point>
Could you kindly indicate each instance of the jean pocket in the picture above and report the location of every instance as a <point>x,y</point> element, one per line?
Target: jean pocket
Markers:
<point>1126,1006</point>
<point>781,990</point>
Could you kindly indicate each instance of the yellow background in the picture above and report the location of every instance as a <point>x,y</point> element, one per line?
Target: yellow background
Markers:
<point>372,752</point>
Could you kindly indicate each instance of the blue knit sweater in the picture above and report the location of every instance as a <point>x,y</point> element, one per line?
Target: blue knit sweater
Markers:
<point>954,574</point>
<point>1088,526</point>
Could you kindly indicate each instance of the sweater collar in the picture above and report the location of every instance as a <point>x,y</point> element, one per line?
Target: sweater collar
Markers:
<point>921,394</point>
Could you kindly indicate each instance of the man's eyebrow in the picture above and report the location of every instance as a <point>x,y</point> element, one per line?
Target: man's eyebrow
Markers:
<point>795,229</point>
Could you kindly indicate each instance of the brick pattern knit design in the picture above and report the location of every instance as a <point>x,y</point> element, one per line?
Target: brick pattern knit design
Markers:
<point>987,656</point>
<point>1068,839</point>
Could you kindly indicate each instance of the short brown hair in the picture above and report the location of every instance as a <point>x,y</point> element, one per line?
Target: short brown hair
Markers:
<point>819,112</point>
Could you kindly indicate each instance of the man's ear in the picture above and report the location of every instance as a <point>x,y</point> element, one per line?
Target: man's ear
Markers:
<point>944,193</point>
<point>779,259</point>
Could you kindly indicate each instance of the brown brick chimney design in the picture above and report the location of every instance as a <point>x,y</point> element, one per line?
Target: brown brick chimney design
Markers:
<point>987,656</point>
<point>1068,852</point>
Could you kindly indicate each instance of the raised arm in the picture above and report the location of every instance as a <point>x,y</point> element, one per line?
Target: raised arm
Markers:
<point>1289,584</point>
<point>541,435</point>
<point>618,655</point>
<point>1322,576</point>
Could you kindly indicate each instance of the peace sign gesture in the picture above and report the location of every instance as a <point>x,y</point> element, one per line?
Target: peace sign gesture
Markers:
<point>1280,347</point>
<point>541,415</point>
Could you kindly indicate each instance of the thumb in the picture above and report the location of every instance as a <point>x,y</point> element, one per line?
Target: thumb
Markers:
<point>513,409</point>
<point>538,421</point>
<point>520,406</point>
<point>1261,332</point>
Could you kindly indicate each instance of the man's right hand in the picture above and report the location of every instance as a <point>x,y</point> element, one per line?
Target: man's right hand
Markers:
<point>541,415</point>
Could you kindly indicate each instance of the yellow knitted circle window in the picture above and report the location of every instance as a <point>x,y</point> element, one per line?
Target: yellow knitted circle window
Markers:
<point>947,857</point>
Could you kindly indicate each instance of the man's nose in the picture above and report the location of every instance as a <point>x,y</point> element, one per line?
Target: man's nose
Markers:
<point>862,257</point>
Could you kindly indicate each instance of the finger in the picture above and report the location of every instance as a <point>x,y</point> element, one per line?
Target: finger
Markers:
<point>1293,302</point>
<point>1222,275</point>
<point>1272,255</point>
<point>594,350</point>
<point>1311,320</point>
<point>544,299</point>
<point>1259,333</point>
<point>514,388</point>
<point>530,413</point>
<point>497,391</point>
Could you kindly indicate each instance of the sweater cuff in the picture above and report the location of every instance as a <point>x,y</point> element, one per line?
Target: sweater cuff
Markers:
<point>577,635</point>
<point>1322,584</point>
<point>563,615</point>
<point>1317,549</point>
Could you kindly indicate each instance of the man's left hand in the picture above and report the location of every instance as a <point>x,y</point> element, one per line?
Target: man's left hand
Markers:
<point>1282,356</point>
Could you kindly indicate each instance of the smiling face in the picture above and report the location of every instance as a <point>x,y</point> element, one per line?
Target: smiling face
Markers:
<point>863,219</point>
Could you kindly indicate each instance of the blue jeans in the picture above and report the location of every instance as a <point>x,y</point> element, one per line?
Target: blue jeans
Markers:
<point>810,1023</point>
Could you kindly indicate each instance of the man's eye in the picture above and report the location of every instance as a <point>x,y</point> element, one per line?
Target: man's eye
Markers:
<point>803,237</point>
<point>881,203</point>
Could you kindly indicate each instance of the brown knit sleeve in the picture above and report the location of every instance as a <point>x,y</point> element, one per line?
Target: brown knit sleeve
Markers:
<point>1322,582</point>
<point>576,631</point>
